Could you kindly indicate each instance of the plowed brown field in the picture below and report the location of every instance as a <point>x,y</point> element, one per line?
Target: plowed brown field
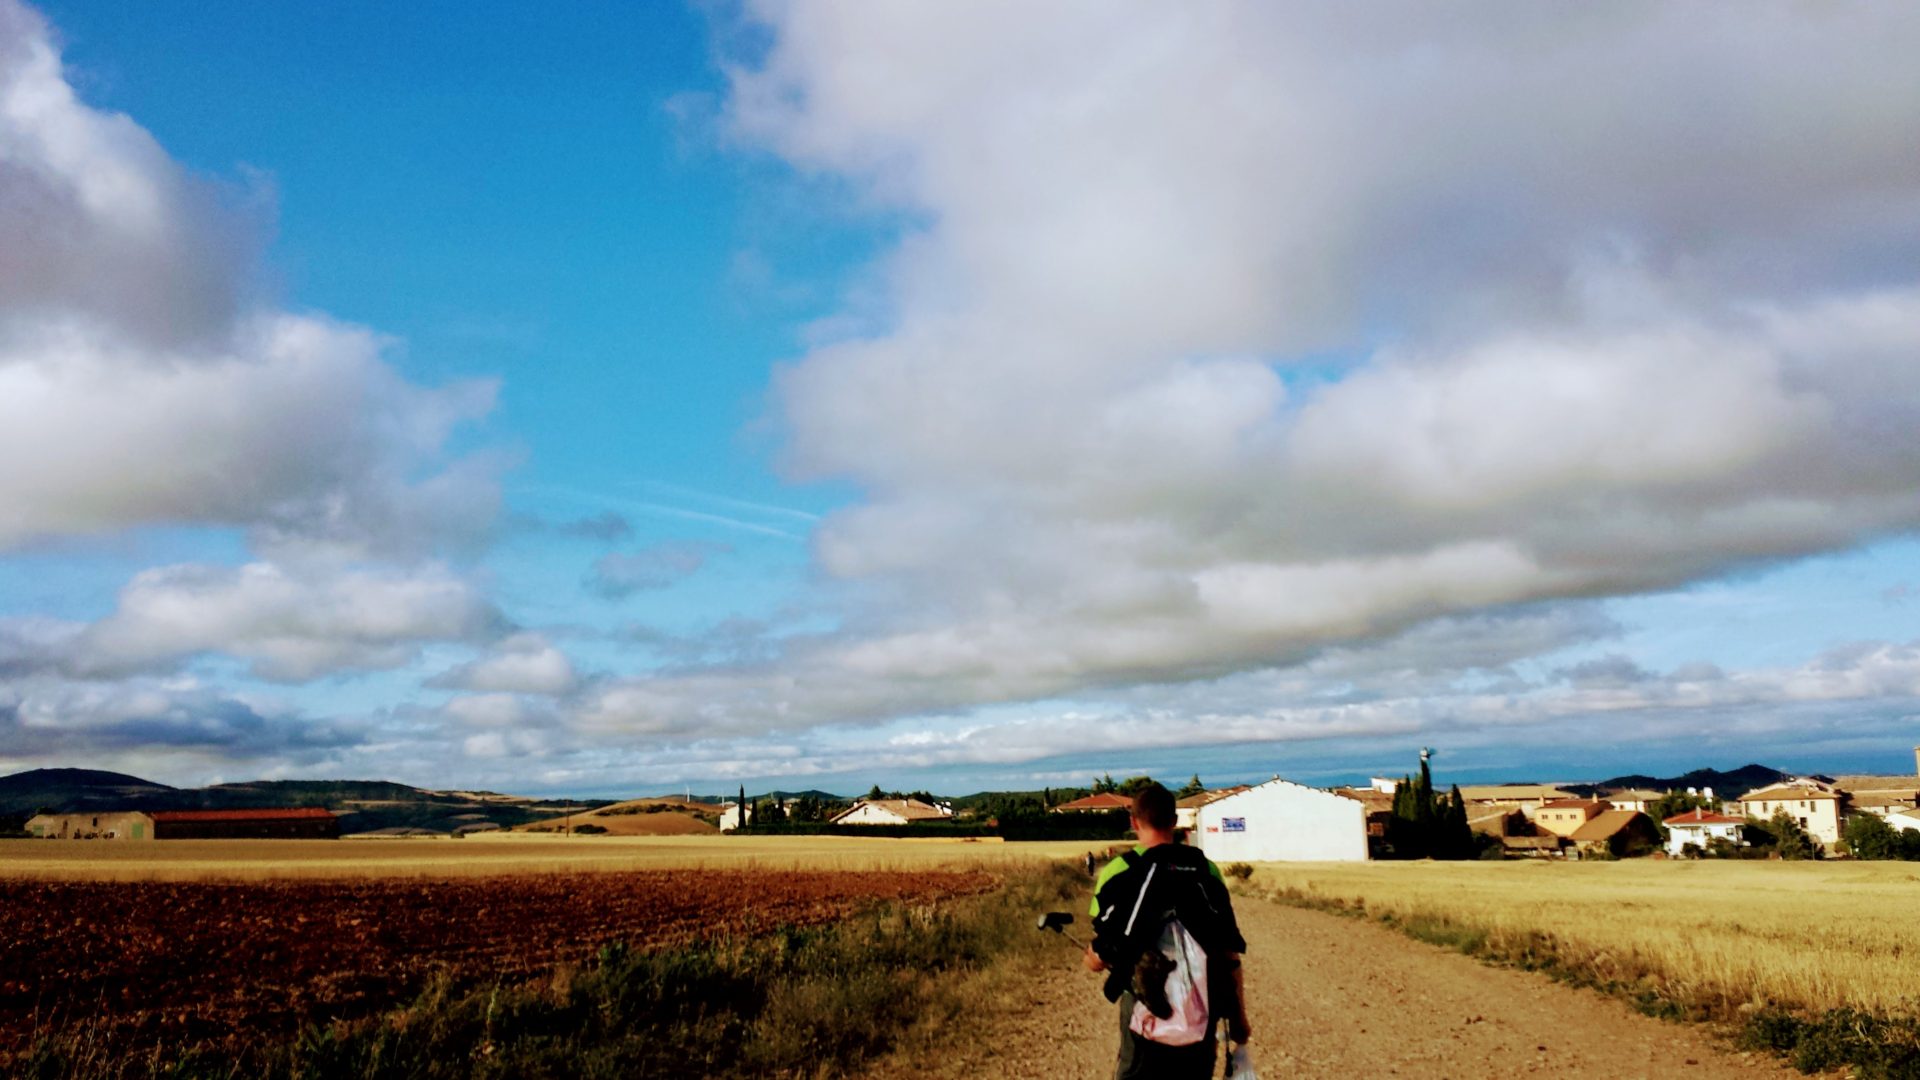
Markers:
<point>201,959</point>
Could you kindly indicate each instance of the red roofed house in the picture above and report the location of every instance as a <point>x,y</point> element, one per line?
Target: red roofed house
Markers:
<point>1106,800</point>
<point>1696,827</point>
<point>280,823</point>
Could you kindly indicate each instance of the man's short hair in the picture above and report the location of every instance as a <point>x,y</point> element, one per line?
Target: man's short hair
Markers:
<point>1153,804</point>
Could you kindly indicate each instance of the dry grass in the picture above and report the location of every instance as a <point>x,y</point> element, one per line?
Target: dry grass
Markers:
<point>498,853</point>
<point>1724,935</point>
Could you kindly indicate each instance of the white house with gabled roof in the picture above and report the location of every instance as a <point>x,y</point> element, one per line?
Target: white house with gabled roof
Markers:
<point>1281,821</point>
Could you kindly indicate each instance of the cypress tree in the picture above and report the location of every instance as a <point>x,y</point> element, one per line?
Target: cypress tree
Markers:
<point>1457,840</point>
<point>1401,834</point>
<point>1426,828</point>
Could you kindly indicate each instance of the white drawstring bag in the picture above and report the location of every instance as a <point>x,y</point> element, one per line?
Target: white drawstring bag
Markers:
<point>1186,993</point>
<point>1240,1063</point>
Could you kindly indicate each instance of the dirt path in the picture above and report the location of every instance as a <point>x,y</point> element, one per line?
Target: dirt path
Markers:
<point>1336,997</point>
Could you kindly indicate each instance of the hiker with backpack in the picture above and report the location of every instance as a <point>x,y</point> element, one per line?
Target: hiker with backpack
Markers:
<point>1165,935</point>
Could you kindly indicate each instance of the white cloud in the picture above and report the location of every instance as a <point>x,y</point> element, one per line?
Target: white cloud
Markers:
<point>142,723</point>
<point>1222,334</point>
<point>144,380</point>
<point>293,625</point>
<point>525,663</point>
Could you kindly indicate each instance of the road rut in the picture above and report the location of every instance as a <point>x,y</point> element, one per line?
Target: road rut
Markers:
<point>1340,997</point>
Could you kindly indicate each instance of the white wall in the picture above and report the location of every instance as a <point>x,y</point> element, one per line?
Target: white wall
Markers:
<point>1281,821</point>
<point>1698,835</point>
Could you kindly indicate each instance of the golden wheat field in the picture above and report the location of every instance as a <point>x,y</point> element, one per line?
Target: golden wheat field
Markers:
<point>499,853</point>
<point>1804,934</point>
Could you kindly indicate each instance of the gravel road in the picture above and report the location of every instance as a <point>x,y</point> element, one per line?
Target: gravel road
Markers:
<point>1337,997</point>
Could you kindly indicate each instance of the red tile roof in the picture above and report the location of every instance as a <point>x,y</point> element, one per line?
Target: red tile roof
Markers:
<point>1102,801</point>
<point>284,813</point>
<point>1704,817</point>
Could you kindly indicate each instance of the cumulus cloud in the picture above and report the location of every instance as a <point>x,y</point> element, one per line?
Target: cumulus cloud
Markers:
<point>524,663</point>
<point>145,721</point>
<point>619,574</point>
<point>293,625</point>
<point>1220,335</point>
<point>144,380</point>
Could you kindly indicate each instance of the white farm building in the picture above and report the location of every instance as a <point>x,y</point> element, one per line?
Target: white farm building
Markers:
<point>890,812</point>
<point>1281,821</point>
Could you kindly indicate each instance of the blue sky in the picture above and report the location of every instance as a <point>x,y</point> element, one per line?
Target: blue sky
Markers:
<point>710,396</point>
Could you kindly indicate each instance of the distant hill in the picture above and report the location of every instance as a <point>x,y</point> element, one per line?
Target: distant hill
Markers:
<point>727,797</point>
<point>1727,785</point>
<point>76,789</point>
<point>364,805</point>
<point>673,816</point>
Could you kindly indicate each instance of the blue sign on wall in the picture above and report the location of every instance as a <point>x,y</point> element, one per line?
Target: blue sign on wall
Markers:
<point>1233,824</point>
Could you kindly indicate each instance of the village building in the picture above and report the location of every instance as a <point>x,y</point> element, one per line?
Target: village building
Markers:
<point>729,812</point>
<point>890,812</point>
<point>1881,796</point>
<point>1498,821</point>
<point>92,825</point>
<point>1092,804</point>
<point>1697,827</point>
<point>1524,797</point>
<point>275,823</point>
<point>1564,817</point>
<point>1817,805</point>
<point>1379,807</point>
<point>1905,819</point>
<point>1619,833</point>
<point>1641,799</point>
<point>1281,821</point>
<point>1544,845</point>
<point>1186,812</point>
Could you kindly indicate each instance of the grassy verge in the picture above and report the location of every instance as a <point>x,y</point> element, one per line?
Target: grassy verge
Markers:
<point>1877,1045</point>
<point>796,1003</point>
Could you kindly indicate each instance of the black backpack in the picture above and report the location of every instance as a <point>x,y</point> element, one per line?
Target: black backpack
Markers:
<point>1159,886</point>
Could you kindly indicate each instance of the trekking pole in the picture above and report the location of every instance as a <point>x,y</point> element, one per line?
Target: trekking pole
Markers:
<point>1057,921</point>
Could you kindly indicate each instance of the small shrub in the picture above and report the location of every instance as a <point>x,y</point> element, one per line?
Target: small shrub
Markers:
<point>1239,870</point>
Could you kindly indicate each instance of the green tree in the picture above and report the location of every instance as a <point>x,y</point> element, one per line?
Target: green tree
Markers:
<point>1133,785</point>
<point>1400,831</point>
<point>1105,785</point>
<point>1790,838</point>
<point>874,792</point>
<point>1869,837</point>
<point>1190,788</point>
<point>1456,836</point>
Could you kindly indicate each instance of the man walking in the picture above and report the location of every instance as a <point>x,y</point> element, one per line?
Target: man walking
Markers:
<point>1165,934</point>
